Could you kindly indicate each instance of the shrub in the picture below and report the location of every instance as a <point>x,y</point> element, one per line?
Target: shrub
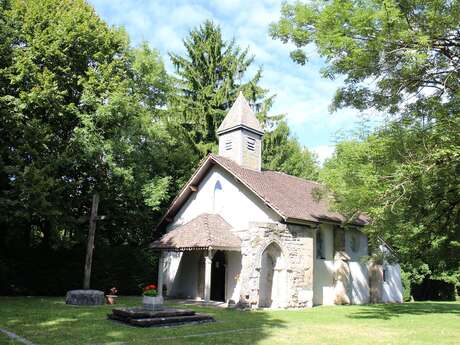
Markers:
<point>406,283</point>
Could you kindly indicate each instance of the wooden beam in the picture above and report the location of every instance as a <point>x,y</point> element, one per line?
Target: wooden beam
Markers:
<point>90,244</point>
<point>194,188</point>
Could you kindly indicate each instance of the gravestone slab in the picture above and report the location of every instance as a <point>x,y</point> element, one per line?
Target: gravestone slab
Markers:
<point>85,297</point>
<point>161,318</point>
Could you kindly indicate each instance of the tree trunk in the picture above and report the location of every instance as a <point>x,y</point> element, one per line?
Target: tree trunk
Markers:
<point>45,226</point>
<point>90,245</point>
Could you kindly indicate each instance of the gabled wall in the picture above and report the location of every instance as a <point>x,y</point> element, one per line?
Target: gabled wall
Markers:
<point>235,203</point>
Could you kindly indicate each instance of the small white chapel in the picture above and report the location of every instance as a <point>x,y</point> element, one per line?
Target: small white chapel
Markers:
<point>256,238</point>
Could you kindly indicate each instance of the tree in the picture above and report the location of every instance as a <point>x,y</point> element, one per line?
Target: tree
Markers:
<point>392,53</point>
<point>282,152</point>
<point>209,78</point>
<point>80,115</point>
<point>412,206</point>
<point>210,75</point>
<point>402,58</point>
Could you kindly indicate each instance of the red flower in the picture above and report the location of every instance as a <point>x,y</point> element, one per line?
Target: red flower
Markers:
<point>150,287</point>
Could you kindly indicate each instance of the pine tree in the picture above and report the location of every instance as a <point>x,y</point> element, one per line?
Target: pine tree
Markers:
<point>209,77</point>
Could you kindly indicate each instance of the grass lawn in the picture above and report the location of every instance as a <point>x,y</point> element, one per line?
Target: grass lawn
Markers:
<point>48,321</point>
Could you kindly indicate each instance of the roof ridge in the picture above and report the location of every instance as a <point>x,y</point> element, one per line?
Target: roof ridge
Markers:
<point>272,171</point>
<point>279,191</point>
<point>206,225</point>
<point>296,177</point>
<point>240,115</point>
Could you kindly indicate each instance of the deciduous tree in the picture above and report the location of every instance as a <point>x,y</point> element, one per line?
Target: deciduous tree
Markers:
<point>401,58</point>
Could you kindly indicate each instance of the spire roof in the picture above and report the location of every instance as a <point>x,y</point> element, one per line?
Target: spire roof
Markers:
<point>240,115</point>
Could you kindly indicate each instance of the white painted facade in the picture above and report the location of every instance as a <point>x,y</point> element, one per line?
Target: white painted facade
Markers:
<point>324,268</point>
<point>236,204</point>
<point>217,193</point>
<point>392,289</point>
<point>240,208</point>
<point>325,288</point>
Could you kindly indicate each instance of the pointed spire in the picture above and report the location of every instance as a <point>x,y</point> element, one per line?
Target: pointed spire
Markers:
<point>240,115</point>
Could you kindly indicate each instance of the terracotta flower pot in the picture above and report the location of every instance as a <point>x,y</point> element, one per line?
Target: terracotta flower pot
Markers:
<point>111,299</point>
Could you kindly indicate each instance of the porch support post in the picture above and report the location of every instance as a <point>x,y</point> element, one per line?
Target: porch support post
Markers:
<point>160,274</point>
<point>207,276</point>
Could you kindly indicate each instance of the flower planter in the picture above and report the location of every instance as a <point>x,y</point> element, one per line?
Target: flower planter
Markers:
<point>152,303</point>
<point>111,299</point>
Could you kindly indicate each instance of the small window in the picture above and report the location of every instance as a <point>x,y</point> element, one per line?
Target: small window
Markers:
<point>319,245</point>
<point>228,144</point>
<point>385,274</point>
<point>355,242</point>
<point>251,142</point>
<point>217,202</point>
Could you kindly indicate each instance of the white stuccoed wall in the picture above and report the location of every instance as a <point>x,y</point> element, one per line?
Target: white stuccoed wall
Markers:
<point>186,284</point>
<point>233,271</point>
<point>358,267</point>
<point>324,269</point>
<point>392,290</point>
<point>237,206</point>
<point>240,208</point>
<point>360,283</point>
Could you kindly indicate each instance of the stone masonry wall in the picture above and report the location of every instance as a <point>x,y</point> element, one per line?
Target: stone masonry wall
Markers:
<point>296,243</point>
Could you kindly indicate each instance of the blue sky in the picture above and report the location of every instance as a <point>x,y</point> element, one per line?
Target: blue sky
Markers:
<point>300,91</point>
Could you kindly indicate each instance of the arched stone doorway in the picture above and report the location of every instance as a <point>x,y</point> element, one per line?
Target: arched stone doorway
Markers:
<point>273,278</point>
<point>218,274</point>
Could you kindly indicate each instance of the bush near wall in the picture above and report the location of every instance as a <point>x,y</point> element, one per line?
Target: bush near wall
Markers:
<point>49,272</point>
<point>406,283</point>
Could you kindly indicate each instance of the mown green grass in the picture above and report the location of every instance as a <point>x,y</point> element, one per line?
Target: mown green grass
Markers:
<point>48,321</point>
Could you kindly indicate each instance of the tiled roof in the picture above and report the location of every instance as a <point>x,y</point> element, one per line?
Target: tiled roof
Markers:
<point>240,115</point>
<point>203,232</point>
<point>292,197</point>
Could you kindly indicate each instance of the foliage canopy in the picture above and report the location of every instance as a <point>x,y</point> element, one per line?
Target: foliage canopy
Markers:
<point>401,58</point>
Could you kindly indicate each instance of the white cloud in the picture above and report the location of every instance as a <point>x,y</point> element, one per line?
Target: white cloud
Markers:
<point>323,152</point>
<point>301,92</point>
<point>168,34</point>
<point>188,15</point>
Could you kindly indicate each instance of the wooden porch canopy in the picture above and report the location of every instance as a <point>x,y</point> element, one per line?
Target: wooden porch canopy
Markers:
<point>205,232</point>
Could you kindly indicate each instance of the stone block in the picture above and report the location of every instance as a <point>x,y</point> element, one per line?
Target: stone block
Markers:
<point>85,297</point>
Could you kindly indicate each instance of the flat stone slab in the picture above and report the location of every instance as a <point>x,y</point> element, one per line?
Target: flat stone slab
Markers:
<point>164,321</point>
<point>85,297</point>
<point>140,313</point>
<point>167,317</point>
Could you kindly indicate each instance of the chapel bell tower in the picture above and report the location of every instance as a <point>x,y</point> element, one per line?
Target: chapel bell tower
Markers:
<point>240,135</point>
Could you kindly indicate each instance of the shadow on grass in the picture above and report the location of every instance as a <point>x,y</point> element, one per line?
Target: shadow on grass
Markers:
<point>389,311</point>
<point>232,326</point>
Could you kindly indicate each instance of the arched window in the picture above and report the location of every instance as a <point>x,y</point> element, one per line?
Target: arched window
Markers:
<point>355,242</point>
<point>217,199</point>
<point>320,246</point>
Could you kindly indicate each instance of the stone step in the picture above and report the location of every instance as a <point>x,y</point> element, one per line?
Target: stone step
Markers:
<point>163,321</point>
<point>140,313</point>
